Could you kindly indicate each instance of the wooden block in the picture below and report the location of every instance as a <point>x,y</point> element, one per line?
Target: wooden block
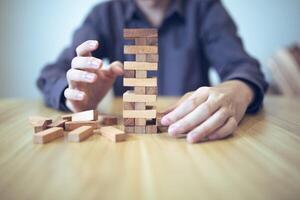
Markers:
<point>140,41</point>
<point>128,106</point>
<point>129,96</point>
<point>109,120</point>
<point>48,135</point>
<point>131,65</point>
<point>140,49</point>
<point>146,114</point>
<point>158,118</point>
<point>90,115</point>
<point>128,121</point>
<point>140,33</point>
<point>140,122</point>
<point>80,134</point>
<point>139,90</point>
<point>39,121</point>
<point>70,126</point>
<point>141,57</point>
<point>140,106</point>
<point>152,58</point>
<point>151,129</point>
<point>140,129</point>
<point>58,123</point>
<point>67,117</point>
<point>129,73</point>
<point>113,134</point>
<point>151,90</point>
<point>152,41</point>
<point>162,129</point>
<point>141,74</point>
<point>129,129</point>
<point>146,82</point>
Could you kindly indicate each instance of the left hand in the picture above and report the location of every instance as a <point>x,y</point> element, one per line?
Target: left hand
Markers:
<point>210,113</point>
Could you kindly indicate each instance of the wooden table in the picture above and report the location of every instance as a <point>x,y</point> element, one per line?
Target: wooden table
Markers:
<point>261,160</point>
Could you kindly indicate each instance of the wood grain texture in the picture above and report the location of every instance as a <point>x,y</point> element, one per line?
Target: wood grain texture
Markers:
<point>140,33</point>
<point>260,161</point>
<point>80,134</point>
<point>132,65</point>
<point>140,49</point>
<point>113,134</point>
<point>48,135</point>
<point>70,126</point>
<point>132,82</point>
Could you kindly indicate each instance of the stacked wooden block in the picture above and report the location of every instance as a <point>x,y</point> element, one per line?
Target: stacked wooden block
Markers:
<point>139,104</point>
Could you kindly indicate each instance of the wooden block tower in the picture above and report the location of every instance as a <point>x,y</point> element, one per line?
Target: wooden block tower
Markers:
<point>139,104</point>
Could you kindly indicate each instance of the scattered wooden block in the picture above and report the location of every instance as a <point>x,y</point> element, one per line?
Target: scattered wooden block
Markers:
<point>129,73</point>
<point>67,117</point>
<point>90,115</point>
<point>109,120</point>
<point>139,129</point>
<point>58,123</point>
<point>80,134</point>
<point>132,65</point>
<point>128,122</point>
<point>140,33</point>
<point>144,82</point>
<point>151,129</point>
<point>128,105</point>
<point>129,129</point>
<point>39,123</point>
<point>140,49</point>
<point>48,135</point>
<point>130,96</point>
<point>113,134</point>
<point>151,90</point>
<point>70,126</point>
<point>146,114</point>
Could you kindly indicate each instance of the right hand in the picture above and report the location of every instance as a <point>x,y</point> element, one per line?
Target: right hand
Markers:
<point>88,81</point>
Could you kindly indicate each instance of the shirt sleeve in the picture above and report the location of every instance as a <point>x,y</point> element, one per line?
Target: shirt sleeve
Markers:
<point>52,80</point>
<point>225,52</point>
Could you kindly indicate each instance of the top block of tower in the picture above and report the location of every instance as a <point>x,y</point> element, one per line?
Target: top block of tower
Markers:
<point>140,33</point>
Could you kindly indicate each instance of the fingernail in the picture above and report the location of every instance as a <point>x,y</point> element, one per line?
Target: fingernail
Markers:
<point>173,129</point>
<point>94,63</point>
<point>79,96</point>
<point>190,137</point>
<point>89,77</point>
<point>92,44</point>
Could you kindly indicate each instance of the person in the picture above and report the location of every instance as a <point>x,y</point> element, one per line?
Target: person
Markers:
<point>194,35</point>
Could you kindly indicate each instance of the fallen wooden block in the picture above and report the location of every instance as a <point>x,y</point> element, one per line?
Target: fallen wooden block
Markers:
<point>132,65</point>
<point>140,33</point>
<point>67,117</point>
<point>113,134</point>
<point>39,123</point>
<point>70,126</point>
<point>58,123</point>
<point>48,135</point>
<point>109,120</point>
<point>143,82</point>
<point>140,49</point>
<point>90,115</point>
<point>80,134</point>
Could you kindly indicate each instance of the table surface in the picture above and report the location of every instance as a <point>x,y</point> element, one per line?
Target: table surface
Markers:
<point>260,161</point>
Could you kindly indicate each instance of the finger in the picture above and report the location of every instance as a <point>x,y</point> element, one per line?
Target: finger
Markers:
<point>80,76</point>
<point>86,63</point>
<point>87,47</point>
<point>114,69</point>
<point>185,107</point>
<point>74,95</point>
<point>195,117</point>
<point>229,127</point>
<point>206,128</point>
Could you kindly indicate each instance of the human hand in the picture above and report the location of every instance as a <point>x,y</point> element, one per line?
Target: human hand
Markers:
<point>88,81</point>
<point>210,112</point>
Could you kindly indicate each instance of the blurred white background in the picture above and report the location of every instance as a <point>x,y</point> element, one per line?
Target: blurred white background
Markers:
<point>34,32</point>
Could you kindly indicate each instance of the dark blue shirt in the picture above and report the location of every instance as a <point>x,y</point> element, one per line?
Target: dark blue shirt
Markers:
<point>194,36</point>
